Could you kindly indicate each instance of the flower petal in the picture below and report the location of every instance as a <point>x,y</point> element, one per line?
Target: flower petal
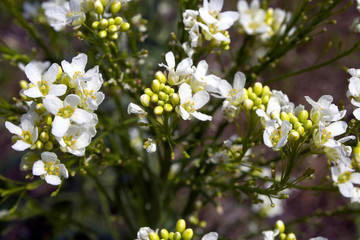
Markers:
<point>52,73</point>
<point>201,116</point>
<point>53,104</point>
<point>81,116</point>
<point>33,92</point>
<point>60,126</point>
<point>49,157</point>
<point>38,168</point>
<point>33,73</point>
<point>13,128</point>
<point>72,100</point>
<point>200,99</point>
<point>184,93</point>
<point>52,179</point>
<point>57,90</point>
<point>20,145</point>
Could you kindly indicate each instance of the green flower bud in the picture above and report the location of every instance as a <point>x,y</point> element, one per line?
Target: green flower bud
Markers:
<point>257,101</point>
<point>113,36</point>
<point>282,236</point>
<point>356,152</point>
<point>250,91</point>
<point>171,235</point>
<point>23,84</point>
<point>162,85</point>
<point>262,106</point>
<point>253,96</point>
<point>300,130</point>
<point>284,116</point>
<point>115,7</point>
<point>103,34</point>
<point>188,234</point>
<point>258,88</point>
<point>291,236</point>
<point>149,92</point>
<point>48,146</point>
<point>265,99</point>
<point>48,120</point>
<point>293,119</point>
<point>15,138</point>
<point>172,90</point>
<point>164,234</point>
<point>297,125</point>
<point>103,23</point>
<point>40,109</point>
<point>145,100</point>
<point>307,124</point>
<point>159,75</point>
<point>125,27</point>
<point>168,107</point>
<point>158,110</point>
<point>44,136</point>
<point>167,89</point>
<point>155,85</point>
<point>175,99</point>
<point>161,103</point>
<point>98,7</point>
<point>39,145</point>
<point>280,225</point>
<point>265,91</point>
<point>163,96</point>
<point>248,104</point>
<point>180,225</point>
<point>177,236</point>
<point>303,116</point>
<point>112,29</point>
<point>95,25</point>
<point>154,98</point>
<point>111,21</point>
<point>118,20</point>
<point>153,236</point>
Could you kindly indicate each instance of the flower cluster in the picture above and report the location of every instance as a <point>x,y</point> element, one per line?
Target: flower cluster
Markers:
<point>61,103</point>
<point>100,15</point>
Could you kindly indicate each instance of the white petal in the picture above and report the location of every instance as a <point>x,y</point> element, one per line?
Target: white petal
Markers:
<point>52,104</point>
<point>184,114</point>
<point>200,99</point>
<point>81,116</point>
<point>239,81</point>
<point>13,128</point>
<point>57,90</point>
<point>170,59</point>
<point>210,236</point>
<point>20,145</point>
<point>355,178</point>
<point>185,93</point>
<point>201,116</point>
<point>79,62</point>
<point>346,189</point>
<point>224,88</point>
<point>33,73</point>
<point>184,65</point>
<point>52,179</point>
<point>38,168</point>
<point>49,157</point>
<point>356,113</point>
<point>68,69</point>
<point>72,100</point>
<point>52,73</point>
<point>63,171</point>
<point>227,19</point>
<point>336,128</point>
<point>33,92</point>
<point>60,126</point>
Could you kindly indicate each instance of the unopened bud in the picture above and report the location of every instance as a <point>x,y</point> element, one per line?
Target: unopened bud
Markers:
<point>265,99</point>
<point>177,236</point>
<point>103,34</point>
<point>282,236</point>
<point>48,146</point>
<point>160,76</point>
<point>188,234</point>
<point>291,236</point>
<point>294,136</point>
<point>149,92</point>
<point>297,125</point>
<point>40,109</point>
<point>253,96</point>
<point>180,225</point>
<point>303,116</point>
<point>307,124</point>
<point>95,25</point>
<point>356,151</point>
<point>111,21</point>
<point>161,103</point>
<point>258,88</point>
<point>248,104</point>
<point>103,23</point>
<point>257,101</point>
<point>168,107</point>
<point>154,98</point>
<point>155,85</point>
<point>153,236</point>
<point>163,96</point>
<point>39,145</point>
<point>284,116</point>
<point>23,84</point>
<point>265,91</point>
<point>113,36</point>
<point>164,234</point>
<point>112,28</point>
<point>98,7</point>
<point>115,7</point>
<point>175,99</point>
<point>280,225</point>
<point>158,110</point>
<point>125,27</point>
<point>44,136</point>
<point>118,20</point>
<point>167,89</point>
<point>48,120</point>
<point>293,119</point>
<point>145,100</point>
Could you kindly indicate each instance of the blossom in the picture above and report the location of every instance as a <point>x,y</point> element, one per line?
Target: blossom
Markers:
<point>345,177</point>
<point>324,110</point>
<point>275,134</point>
<point>276,20</point>
<point>324,136</point>
<point>27,133</point>
<point>210,236</point>
<point>143,233</point>
<point>49,167</point>
<point>136,109</point>
<point>252,18</point>
<point>43,84</point>
<point>75,140</point>
<point>150,145</point>
<point>232,93</point>
<point>270,235</point>
<point>192,26</point>
<point>189,104</point>
<point>64,112</point>
<point>279,102</point>
<point>201,81</point>
<point>76,69</point>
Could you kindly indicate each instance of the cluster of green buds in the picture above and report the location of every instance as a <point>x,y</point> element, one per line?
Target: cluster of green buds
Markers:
<point>256,97</point>
<point>300,123</point>
<point>181,233</point>
<point>108,27</point>
<point>160,96</point>
<point>279,225</point>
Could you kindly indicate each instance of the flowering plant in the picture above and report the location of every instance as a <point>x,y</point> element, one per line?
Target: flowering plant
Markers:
<point>138,115</point>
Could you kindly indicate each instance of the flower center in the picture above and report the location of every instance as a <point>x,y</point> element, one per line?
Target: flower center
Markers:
<point>233,93</point>
<point>69,141</point>
<point>27,137</point>
<point>43,87</point>
<point>89,93</point>
<point>66,112</point>
<point>325,136</point>
<point>77,74</point>
<point>189,106</point>
<point>343,178</point>
<point>275,136</point>
<point>52,168</point>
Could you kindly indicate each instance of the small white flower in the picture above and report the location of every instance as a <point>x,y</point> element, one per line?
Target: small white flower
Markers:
<point>43,84</point>
<point>75,140</point>
<point>49,167</point>
<point>270,235</point>
<point>252,18</point>
<point>232,93</point>
<point>26,132</point>
<point>324,136</point>
<point>275,134</point>
<point>150,145</point>
<point>179,74</point>
<point>210,236</point>
<point>136,109</point>
<point>279,102</point>
<point>64,112</point>
<point>190,104</point>
<point>324,110</point>
<point>201,81</point>
<point>345,177</point>
<point>143,233</point>
<point>55,13</point>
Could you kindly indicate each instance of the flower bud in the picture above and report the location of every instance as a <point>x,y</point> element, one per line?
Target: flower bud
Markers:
<point>293,119</point>
<point>303,116</point>
<point>291,236</point>
<point>248,104</point>
<point>265,99</point>
<point>297,125</point>
<point>175,99</point>
<point>160,76</point>
<point>177,236</point>
<point>149,92</point>
<point>48,146</point>
<point>103,34</point>
<point>158,110</point>
<point>180,225</point>
<point>112,29</point>
<point>356,152</point>
<point>59,73</point>
<point>262,106</point>
<point>23,84</point>
<point>167,89</point>
<point>95,25</point>
<point>155,85</point>
<point>280,225</point>
<point>258,88</point>
<point>98,7</point>
<point>163,96</point>
<point>265,91</point>
<point>257,101</point>
<point>118,20</point>
<point>111,21</point>
<point>145,100</point>
<point>44,136</point>
<point>115,7</point>
<point>161,103</point>
<point>103,23</point>
<point>188,234</point>
<point>164,234</point>
<point>48,120</point>
<point>250,91</point>
<point>168,107</point>
<point>162,85</point>
<point>28,160</point>
<point>307,124</point>
<point>154,98</point>
<point>282,236</point>
<point>171,235</point>
<point>274,114</point>
<point>40,109</point>
<point>113,36</point>
<point>153,236</point>
<point>39,145</point>
<point>124,27</point>
<point>284,116</point>
<point>253,96</point>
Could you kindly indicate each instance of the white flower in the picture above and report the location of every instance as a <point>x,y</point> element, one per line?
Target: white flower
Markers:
<point>192,26</point>
<point>75,140</point>
<point>276,20</point>
<point>90,127</point>
<point>345,177</point>
<point>318,238</point>
<point>143,233</point>
<point>201,81</point>
<point>136,109</point>
<point>189,104</point>
<point>89,88</point>
<point>324,136</point>
<point>55,13</point>
<point>182,71</point>
<point>354,88</point>
<point>76,69</point>
<point>64,112</point>
<point>210,236</point>
<point>270,235</point>
<point>41,66</point>
<point>26,132</point>
<point>355,25</point>
<point>43,84</point>
<point>279,102</point>
<point>215,22</point>
<point>49,167</point>
<point>275,134</point>
<point>324,110</point>
<point>252,18</point>
<point>150,145</point>
<point>232,93</point>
